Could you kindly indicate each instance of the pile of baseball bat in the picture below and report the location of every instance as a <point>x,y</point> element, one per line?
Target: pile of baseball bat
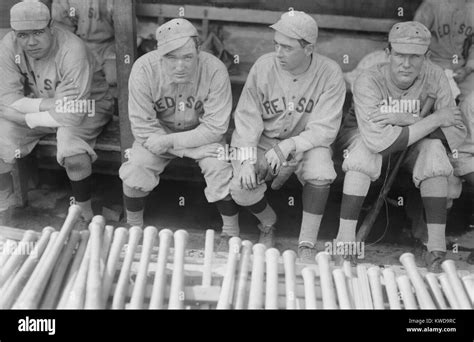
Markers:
<point>107,268</point>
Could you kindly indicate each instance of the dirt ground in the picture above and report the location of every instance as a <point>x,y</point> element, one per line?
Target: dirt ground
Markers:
<point>182,205</point>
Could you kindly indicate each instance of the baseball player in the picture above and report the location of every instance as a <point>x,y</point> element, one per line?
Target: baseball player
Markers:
<point>180,103</point>
<point>50,83</point>
<point>92,21</point>
<point>290,111</point>
<point>387,100</point>
<point>451,23</point>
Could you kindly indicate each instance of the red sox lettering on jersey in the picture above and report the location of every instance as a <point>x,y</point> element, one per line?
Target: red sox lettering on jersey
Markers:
<point>450,23</point>
<point>275,103</point>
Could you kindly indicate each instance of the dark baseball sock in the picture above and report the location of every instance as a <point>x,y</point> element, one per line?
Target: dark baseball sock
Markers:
<point>81,190</point>
<point>263,212</point>
<point>433,193</point>
<point>229,211</point>
<point>134,209</point>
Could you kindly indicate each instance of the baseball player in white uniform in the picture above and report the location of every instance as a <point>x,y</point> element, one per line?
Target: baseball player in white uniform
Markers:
<point>92,21</point>
<point>388,99</point>
<point>452,47</point>
<point>290,112</point>
<point>179,105</point>
<point>50,83</point>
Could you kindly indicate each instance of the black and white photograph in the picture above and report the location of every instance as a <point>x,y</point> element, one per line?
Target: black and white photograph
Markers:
<point>237,155</point>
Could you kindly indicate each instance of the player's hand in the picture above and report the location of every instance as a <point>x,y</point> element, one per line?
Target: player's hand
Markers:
<point>248,176</point>
<point>287,146</point>
<point>449,116</point>
<point>273,160</point>
<point>206,151</point>
<point>158,144</point>
<point>66,90</point>
<point>461,74</point>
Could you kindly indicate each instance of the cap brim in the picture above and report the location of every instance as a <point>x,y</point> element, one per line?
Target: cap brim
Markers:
<point>171,46</point>
<point>29,25</point>
<point>412,49</point>
<point>278,26</point>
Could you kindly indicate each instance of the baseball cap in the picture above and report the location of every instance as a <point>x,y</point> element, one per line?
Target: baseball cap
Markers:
<point>297,25</point>
<point>29,15</point>
<point>410,37</point>
<point>174,34</point>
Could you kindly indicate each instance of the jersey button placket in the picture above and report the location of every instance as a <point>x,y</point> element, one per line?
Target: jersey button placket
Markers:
<point>179,114</point>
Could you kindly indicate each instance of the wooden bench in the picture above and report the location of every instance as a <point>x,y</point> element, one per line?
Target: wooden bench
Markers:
<point>117,136</point>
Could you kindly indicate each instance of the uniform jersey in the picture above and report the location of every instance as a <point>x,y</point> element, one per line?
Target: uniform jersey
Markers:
<point>68,59</point>
<point>450,23</point>
<point>307,107</point>
<point>374,91</point>
<point>198,112</point>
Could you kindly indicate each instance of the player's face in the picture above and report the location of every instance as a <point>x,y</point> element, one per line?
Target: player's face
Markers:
<point>405,68</point>
<point>35,43</point>
<point>181,63</point>
<point>289,52</point>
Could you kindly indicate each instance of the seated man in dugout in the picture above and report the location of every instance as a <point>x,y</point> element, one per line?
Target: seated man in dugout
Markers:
<point>388,101</point>
<point>50,84</point>
<point>452,47</point>
<point>289,112</point>
<point>179,105</point>
<point>93,22</point>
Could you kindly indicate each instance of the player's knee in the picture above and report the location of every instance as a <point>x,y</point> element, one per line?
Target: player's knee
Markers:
<point>78,167</point>
<point>138,177</point>
<point>318,167</point>
<point>432,161</point>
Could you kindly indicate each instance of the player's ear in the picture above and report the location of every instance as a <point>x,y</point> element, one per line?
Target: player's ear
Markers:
<point>428,54</point>
<point>387,52</point>
<point>309,49</point>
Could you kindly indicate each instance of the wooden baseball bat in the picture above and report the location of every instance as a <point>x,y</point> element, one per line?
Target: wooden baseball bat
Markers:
<point>358,299</point>
<point>39,266</point>
<point>21,277</point>
<point>94,300</point>
<point>138,294</point>
<point>208,250</point>
<point>77,295</point>
<point>225,296</point>
<point>376,287</point>
<point>309,288</point>
<point>18,257</point>
<point>364,286</point>
<point>432,281</point>
<point>240,296</point>
<point>74,269</point>
<point>408,297</point>
<point>448,291</point>
<point>341,288</point>
<point>8,247</point>
<point>289,259</point>
<point>391,288</point>
<point>119,239</point>
<point>106,245</point>
<point>159,284</point>
<point>30,299</point>
<point>327,286</point>
<point>271,287</point>
<point>51,294</point>
<point>121,290</point>
<point>468,281</point>
<point>449,268</point>
<point>346,266</point>
<point>257,279</point>
<point>177,298</point>
<point>422,294</point>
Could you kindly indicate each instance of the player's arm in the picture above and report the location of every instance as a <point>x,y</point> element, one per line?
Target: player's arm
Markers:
<point>215,121</point>
<point>325,119</point>
<point>425,14</point>
<point>64,15</point>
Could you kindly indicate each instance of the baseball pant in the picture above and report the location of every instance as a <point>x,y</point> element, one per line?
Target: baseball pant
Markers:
<point>143,169</point>
<point>463,159</point>
<point>314,166</point>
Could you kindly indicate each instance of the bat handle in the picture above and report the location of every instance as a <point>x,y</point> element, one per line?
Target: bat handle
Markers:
<point>208,251</point>
<point>309,288</point>
<point>256,281</point>
<point>327,287</point>
<point>449,268</point>
<point>176,300</point>
<point>289,259</point>
<point>159,284</point>
<point>391,288</point>
<point>271,294</point>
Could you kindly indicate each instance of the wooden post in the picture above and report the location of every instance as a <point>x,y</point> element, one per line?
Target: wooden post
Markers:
<point>126,51</point>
